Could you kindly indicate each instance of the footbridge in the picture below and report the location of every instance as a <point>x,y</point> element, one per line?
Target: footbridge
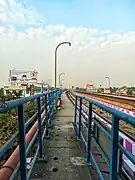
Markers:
<point>66,140</point>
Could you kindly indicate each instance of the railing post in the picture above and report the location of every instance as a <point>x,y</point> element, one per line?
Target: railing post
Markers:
<point>80,119</point>
<point>49,107</point>
<point>75,111</point>
<point>114,148</point>
<point>51,104</point>
<point>97,134</point>
<point>53,108</point>
<point>120,159</point>
<point>94,130</point>
<point>89,134</point>
<point>22,144</point>
<point>55,97</point>
<point>39,128</point>
<point>46,114</point>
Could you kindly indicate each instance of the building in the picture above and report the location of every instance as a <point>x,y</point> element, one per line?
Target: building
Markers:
<point>91,88</point>
<point>107,90</point>
<point>23,78</point>
<point>19,80</point>
<point>122,90</point>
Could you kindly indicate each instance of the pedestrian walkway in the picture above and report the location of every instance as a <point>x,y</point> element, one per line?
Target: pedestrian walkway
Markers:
<point>64,159</point>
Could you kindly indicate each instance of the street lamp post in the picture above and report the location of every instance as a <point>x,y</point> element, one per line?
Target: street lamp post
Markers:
<point>56,49</point>
<point>109,83</point>
<point>65,42</point>
<point>61,82</point>
<point>42,86</point>
<point>60,77</point>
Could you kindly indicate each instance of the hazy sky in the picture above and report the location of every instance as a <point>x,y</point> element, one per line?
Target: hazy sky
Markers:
<point>102,33</point>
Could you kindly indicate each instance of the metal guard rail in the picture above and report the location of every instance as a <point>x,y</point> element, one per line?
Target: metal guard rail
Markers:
<point>48,98</point>
<point>115,164</point>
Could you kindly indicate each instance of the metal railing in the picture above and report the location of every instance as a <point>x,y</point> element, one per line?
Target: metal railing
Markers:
<point>92,128</point>
<point>44,114</point>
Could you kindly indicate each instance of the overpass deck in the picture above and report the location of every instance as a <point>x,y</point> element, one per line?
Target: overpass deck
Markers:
<point>78,146</point>
<point>64,158</point>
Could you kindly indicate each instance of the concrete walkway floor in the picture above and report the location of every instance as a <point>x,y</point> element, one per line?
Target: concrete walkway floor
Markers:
<point>65,160</point>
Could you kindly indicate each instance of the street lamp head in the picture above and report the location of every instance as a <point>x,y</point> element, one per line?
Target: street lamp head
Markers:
<point>69,43</point>
<point>61,74</point>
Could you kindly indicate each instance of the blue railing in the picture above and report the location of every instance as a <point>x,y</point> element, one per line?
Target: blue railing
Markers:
<point>44,114</point>
<point>92,127</point>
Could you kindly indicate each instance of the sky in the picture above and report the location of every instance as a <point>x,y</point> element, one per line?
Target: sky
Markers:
<point>102,34</point>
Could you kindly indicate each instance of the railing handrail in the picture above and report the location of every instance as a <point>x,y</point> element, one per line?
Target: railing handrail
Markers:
<point>14,103</point>
<point>123,116</point>
<point>44,114</point>
<point>115,163</point>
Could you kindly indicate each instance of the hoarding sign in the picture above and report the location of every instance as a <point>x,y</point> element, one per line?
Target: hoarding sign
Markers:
<point>13,88</point>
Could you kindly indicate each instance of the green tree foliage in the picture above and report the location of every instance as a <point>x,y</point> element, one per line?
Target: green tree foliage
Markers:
<point>17,94</point>
<point>27,89</point>
<point>113,89</point>
<point>131,91</point>
<point>8,125</point>
<point>1,92</point>
<point>9,120</point>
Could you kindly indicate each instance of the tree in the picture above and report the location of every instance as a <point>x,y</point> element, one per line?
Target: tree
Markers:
<point>27,89</point>
<point>1,92</point>
<point>113,89</point>
<point>17,94</point>
<point>131,91</point>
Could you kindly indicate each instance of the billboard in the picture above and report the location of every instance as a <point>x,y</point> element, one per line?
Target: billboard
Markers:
<point>14,88</point>
<point>22,77</point>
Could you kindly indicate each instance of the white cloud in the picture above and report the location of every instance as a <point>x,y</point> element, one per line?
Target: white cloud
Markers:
<point>93,55</point>
<point>18,14</point>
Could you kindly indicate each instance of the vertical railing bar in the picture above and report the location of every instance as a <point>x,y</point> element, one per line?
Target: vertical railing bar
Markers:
<point>46,114</point>
<point>43,104</point>
<point>49,107</point>
<point>80,119</point>
<point>75,111</point>
<point>39,128</point>
<point>120,163</point>
<point>22,144</point>
<point>97,134</point>
<point>89,134</point>
<point>55,100</point>
<point>114,148</point>
<point>94,130</point>
<point>51,104</point>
